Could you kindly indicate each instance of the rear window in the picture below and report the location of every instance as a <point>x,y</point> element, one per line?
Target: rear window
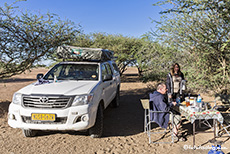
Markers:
<point>116,70</point>
<point>109,69</point>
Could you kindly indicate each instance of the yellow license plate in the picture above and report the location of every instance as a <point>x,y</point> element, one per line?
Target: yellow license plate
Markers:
<point>43,117</point>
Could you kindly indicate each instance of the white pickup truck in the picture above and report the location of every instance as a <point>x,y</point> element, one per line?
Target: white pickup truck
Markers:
<point>70,96</point>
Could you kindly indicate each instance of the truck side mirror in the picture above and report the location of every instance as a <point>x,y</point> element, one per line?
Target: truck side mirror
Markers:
<point>107,77</point>
<point>39,76</point>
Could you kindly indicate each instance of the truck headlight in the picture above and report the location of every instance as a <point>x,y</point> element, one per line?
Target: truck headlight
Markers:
<point>82,99</point>
<point>17,98</point>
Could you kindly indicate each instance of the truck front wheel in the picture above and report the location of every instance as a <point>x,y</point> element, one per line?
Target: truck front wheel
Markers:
<point>29,132</point>
<point>97,129</point>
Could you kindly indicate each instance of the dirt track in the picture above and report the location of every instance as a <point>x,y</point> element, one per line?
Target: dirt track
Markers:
<point>123,127</point>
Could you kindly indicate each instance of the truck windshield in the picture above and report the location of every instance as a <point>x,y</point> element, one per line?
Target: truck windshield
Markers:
<point>73,72</point>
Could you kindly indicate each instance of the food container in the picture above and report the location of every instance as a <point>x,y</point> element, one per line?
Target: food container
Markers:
<point>191,100</point>
<point>187,101</point>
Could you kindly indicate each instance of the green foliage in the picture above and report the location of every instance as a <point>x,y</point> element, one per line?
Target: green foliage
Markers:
<point>154,76</point>
<point>146,55</point>
<point>198,29</point>
<point>125,48</point>
<point>27,38</point>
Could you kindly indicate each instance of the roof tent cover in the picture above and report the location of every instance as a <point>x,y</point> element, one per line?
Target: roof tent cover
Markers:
<point>79,53</point>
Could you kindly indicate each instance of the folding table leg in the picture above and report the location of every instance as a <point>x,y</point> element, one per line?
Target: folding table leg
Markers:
<point>145,123</point>
<point>214,125</point>
<point>194,129</point>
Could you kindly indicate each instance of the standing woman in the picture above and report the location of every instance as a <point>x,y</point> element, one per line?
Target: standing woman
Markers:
<point>174,81</point>
<point>174,85</point>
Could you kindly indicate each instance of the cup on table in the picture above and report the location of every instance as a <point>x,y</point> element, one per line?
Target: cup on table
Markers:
<point>205,106</point>
<point>187,101</point>
<point>191,100</point>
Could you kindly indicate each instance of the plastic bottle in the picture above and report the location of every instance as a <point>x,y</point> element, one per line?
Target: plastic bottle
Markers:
<point>55,78</point>
<point>178,99</point>
<point>213,150</point>
<point>216,150</point>
<point>219,149</point>
<point>199,99</point>
<point>199,103</point>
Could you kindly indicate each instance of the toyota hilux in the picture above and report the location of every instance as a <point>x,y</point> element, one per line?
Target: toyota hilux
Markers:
<point>70,96</point>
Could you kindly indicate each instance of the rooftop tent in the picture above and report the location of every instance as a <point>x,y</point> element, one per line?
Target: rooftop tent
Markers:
<point>79,53</point>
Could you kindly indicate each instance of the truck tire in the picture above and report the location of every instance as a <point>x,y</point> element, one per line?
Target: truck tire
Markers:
<point>115,103</point>
<point>97,130</point>
<point>29,132</point>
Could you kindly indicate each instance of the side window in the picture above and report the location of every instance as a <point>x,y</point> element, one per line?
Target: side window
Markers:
<point>103,70</point>
<point>116,70</point>
<point>109,69</point>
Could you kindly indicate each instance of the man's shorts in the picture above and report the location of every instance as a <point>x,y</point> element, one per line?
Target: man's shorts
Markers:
<point>176,120</point>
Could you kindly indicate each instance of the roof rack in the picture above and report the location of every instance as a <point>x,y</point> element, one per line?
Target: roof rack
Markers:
<point>81,60</point>
<point>84,54</point>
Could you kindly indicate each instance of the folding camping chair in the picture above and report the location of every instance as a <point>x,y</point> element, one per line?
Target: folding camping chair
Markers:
<point>148,124</point>
<point>225,112</point>
<point>224,109</point>
<point>226,124</point>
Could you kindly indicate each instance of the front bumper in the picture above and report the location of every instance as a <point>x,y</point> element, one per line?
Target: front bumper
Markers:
<point>72,118</point>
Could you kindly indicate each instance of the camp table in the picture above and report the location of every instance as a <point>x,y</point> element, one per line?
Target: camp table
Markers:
<point>192,115</point>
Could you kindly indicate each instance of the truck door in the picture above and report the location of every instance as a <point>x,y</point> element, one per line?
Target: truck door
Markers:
<point>112,92</point>
<point>105,85</point>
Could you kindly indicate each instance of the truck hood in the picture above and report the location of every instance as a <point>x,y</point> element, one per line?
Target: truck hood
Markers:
<point>65,87</point>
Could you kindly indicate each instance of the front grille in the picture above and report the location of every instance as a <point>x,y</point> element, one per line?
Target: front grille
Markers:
<point>59,120</point>
<point>49,102</point>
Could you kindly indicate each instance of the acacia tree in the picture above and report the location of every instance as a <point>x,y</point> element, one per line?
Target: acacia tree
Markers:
<point>200,30</point>
<point>154,60</point>
<point>143,53</point>
<point>27,38</point>
<point>125,48</point>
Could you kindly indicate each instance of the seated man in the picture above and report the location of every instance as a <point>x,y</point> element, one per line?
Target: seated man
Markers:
<point>160,103</point>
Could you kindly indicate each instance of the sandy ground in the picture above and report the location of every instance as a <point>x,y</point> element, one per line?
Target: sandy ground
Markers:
<point>123,126</point>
